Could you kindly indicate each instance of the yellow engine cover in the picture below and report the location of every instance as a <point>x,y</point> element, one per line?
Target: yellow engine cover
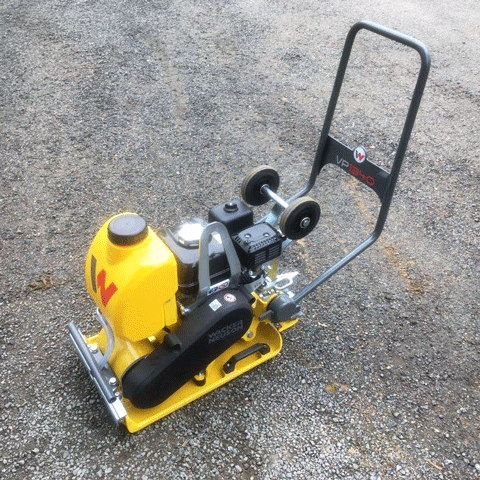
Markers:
<point>134,284</point>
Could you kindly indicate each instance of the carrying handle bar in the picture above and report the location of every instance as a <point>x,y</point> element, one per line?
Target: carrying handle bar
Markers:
<point>204,261</point>
<point>327,145</point>
<point>204,284</point>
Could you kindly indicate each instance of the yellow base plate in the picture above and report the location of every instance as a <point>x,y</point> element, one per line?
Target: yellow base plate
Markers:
<point>215,376</point>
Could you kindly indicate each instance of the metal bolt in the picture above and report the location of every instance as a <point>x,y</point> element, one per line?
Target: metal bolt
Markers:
<point>250,334</point>
<point>93,347</point>
<point>112,381</point>
<point>305,222</point>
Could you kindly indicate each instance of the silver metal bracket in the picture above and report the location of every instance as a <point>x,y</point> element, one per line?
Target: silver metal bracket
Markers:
<point>281,284</point>
<point>103,378</point>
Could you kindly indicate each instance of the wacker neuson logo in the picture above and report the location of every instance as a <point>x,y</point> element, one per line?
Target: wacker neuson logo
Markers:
<point>225,331</point>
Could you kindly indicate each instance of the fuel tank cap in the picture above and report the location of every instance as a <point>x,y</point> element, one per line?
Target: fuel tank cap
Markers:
<point>189,234</point>
<point>127,229</point>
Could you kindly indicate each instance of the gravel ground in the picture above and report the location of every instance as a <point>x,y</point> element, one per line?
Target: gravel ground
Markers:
<point>161,107</point>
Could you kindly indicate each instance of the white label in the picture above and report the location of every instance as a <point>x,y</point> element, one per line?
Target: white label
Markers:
<point>215,305</point>
<point>218,286</point>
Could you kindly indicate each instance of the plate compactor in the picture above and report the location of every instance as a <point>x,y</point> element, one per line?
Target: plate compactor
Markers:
<point>187,310</point>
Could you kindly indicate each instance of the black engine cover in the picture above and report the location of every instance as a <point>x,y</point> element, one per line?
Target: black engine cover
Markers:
<point>203,335</point>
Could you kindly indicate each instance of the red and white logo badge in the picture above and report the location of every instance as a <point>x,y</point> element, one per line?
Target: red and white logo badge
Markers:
<point>230,297</point>
<point>359,154</point>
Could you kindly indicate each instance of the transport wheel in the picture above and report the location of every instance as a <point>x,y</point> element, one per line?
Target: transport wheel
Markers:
<point>254,181</point>
<point>300,218</point>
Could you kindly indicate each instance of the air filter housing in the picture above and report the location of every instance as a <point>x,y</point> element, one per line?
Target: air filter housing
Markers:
<point>257,245</point>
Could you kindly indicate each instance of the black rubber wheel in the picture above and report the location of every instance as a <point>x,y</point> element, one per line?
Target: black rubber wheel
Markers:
<point>254,181</point>
<point>300,218</point>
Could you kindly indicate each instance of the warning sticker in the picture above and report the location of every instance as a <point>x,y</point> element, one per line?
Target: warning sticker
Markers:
<point>215,305</point>
<point>230,297</point>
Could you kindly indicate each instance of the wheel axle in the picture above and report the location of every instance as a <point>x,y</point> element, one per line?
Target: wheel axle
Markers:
<point>299,217</point>
<point>273,196</point>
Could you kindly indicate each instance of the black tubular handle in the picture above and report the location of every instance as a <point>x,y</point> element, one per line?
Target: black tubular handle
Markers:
<point>414,104</point>
<point>263,348</point>
<point>325,148</point>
